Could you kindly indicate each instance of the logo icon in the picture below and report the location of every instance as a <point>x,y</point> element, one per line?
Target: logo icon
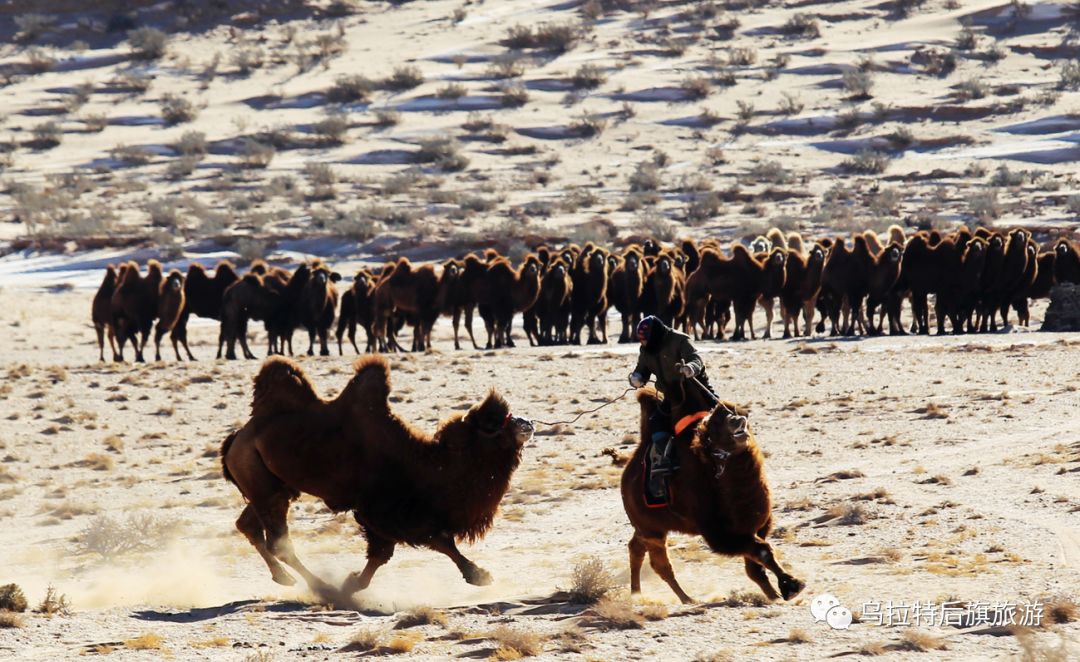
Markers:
<point>827,607</point>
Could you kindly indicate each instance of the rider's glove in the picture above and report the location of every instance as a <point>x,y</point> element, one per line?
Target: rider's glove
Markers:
<point>686,370</point>
<point>636,380</point>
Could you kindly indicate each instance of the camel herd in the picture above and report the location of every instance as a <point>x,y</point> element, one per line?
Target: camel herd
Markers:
<point>564,294</point>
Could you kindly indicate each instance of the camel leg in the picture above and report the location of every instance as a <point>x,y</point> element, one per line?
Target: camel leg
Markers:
<point>112,341</point>
<point>763,554</point>
<point>456,318</point>
<point>158,333</point>
<point>324,337</point>
<point>379,552</point>
<point>661,565</point>
<point>249,525</point>
<point>274,516</point>
<point>768,306</point>
<point>757,574</point>
<point>468,326</point>
<point>352,337</point>
<point>472,573</point>
<point>311,342</point>
<point>637,557</point>
<point>100,329</point>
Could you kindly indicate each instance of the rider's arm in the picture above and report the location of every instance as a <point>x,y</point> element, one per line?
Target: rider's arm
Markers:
<point>642,370</point>
<point>690,357</point>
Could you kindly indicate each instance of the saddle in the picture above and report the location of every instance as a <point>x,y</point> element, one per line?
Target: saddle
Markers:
<point>657,489</point>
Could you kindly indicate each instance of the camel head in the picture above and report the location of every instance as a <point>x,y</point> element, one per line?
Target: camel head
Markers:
<point>322,275</point>
<point>817,254</point>
<point>597,259</point>
<point>893,253</point>
<point>632,261</point>
<point>663,265</point>
<point>727,429</point>
<point>1062,247</point>
<point>491,422</point>
<point>175,281</point>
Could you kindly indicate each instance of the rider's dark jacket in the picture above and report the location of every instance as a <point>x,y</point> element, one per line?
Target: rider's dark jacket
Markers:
<point>659,355</point>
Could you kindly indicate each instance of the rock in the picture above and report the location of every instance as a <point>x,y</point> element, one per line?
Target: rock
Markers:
<point>1063,313</point>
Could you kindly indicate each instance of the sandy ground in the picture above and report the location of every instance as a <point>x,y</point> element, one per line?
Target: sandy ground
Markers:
<point>958,455</point>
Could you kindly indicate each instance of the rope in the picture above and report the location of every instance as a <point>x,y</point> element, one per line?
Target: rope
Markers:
<point>587,411</point>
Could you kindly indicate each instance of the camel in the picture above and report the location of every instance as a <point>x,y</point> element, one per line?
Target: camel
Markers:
<point>101,313</point>
<point>317,305</point>
<point>134,306</point>
<point>271,298</point>
<point>355,454</point>
<point>507,291</point>
<point>406,289</point>
<point>203,296</point>
<point>624,290</point>
<point>170,307</point>
<point>719,492</point>
<point>358,307</point>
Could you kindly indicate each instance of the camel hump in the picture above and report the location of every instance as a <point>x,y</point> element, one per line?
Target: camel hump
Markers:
<point>372,379</point>
<point>281,387</point>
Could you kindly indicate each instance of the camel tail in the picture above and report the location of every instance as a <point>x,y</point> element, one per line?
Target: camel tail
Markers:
<point>224,452</point>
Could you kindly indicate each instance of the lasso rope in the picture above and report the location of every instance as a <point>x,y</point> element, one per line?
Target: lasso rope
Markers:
<point>587,411</point>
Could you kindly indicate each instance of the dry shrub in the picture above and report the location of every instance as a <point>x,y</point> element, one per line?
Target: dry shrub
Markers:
<point>98,462</point>
<point>514,644</point>
<point>364,640</point>
<point>871,649</point>
<point>444,152</point>
<point>350,89</point>
<point>256,154</point>
<point>421,616</point>
<point>176,109</point>
<point>403,642</point>
<point>915,640</point>
<point>53,603</point>
<point>591,581</point>
<point>744,599</point>
<point>588,77</point>
<point>10,620</point>
<point>147,43</point>
<point>332,129</point>
<point>12,598</point>
<point>799,636</point>
<point>1061,610</point>
<point>147,642</point>
<point>654,611</point>
<point>404,78</point>
<point>110,538</point>
<point>617,612</point>
<point>191,143</point>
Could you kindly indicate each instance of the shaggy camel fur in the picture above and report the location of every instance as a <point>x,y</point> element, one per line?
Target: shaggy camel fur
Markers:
<point>203,296</point>
<point>134,306</point>
<point>101,313</point>
<point>719,492</point>
<point>589,302</point>
<point>405,289</point>
<point>508,292</point>
<point>624,291</point>
<point>170,307</point>
<point>355,454</point>
<point>317,306</point>
<point>801,287</point>
<point>358,307</point>
<point>271,298</point>
<point>553,304</point>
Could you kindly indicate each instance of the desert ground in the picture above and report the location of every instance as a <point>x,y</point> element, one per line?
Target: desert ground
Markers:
<point>914,469</point>
<point>904,469</point>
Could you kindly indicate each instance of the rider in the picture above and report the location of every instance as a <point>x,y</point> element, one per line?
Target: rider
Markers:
<point>669,356</point>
